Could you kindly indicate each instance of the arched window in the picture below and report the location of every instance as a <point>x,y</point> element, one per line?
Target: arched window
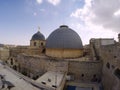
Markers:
<point>82,75</point>
<point>108,65</point>
<point>41,43</point>
<point>11,61</point>
<point>94,75</point>
<point>94,78</point>
<point>43,51</point>
<point>35,43</point>
<point>115,56</point>
<point>15,67</point>
<point>117,73</point>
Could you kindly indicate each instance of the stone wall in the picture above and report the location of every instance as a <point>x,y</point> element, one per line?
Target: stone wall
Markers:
<point>4,53</point>
<point>27,50</point>
<point>110,55</point>
<point>37,43</point>
<point>38,65</point>
<point>86,70</point>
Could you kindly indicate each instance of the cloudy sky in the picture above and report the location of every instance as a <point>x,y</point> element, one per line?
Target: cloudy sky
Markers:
<point>19,19</point>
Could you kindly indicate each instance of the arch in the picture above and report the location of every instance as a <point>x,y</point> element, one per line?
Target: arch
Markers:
<point>108,65</point>
<point>82,75</point>
<point>42,44</point>
<point>35,43</point>
<point>15,67</point>
<point>117,73</point>
<point>11,61</point>
<point>43,51</point>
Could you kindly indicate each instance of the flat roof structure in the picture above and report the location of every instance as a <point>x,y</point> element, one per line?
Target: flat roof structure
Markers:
<point>51,79</point>
<point>13,82</point>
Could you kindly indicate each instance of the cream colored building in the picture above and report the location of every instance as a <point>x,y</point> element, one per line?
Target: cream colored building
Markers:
<point>4,53</point>
<point>37,40</point>
<point>64,54</point>
<point>36,47</point>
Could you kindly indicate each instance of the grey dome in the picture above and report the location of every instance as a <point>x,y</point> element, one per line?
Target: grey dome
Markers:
<point>64,38</point>
<point>38,36</point>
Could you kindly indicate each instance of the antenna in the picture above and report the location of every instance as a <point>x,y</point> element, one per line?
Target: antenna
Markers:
<point>63,22</point>
<point>38,28</point>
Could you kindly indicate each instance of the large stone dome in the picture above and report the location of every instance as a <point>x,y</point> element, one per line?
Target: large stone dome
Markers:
<point>38,36</point>
<point>64,43</point>
<point>64,37</point>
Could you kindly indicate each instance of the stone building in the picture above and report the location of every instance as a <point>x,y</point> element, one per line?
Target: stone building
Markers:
<point>62,62</point>
<point>4,53</point>
<point>108,51</point>
<point>111,67</point>
<point>37,40</point>
<point>37,47</point>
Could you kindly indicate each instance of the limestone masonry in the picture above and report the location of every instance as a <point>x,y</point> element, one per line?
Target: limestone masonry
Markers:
<point>61,62</point>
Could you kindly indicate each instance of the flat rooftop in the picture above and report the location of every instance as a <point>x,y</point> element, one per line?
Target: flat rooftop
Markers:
<point>10,80</point>
<point>51,79</point>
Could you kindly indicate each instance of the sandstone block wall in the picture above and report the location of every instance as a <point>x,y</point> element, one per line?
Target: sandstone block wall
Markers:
<point>86,71</point>
<point>111,61</point>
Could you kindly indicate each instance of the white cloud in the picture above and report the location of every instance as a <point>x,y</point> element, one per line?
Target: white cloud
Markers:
<point>117,13</point>
<point>104,13</point>
<point>87,32</point>
<point>76,14</point>
<point>54,2</point>
<point>101,19</point>
<point>39,1</point>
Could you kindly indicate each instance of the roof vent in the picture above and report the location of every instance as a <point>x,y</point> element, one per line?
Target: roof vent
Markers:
<point>54,86</point>
<point>63,26</point>
<point>43,82</point>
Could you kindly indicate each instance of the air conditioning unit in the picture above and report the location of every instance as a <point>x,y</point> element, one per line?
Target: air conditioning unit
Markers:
<point>70,77</point>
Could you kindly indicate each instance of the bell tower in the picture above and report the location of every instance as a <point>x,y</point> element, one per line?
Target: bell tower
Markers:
<point>37,40</point>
